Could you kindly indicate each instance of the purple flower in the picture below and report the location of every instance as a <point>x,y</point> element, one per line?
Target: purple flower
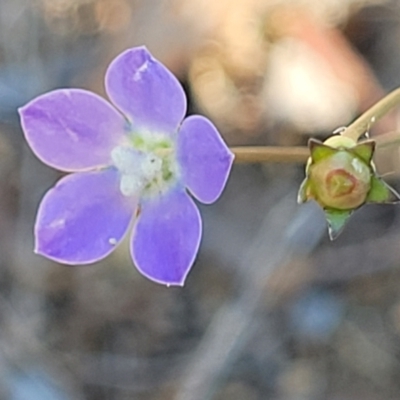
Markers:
<point>131,161</point>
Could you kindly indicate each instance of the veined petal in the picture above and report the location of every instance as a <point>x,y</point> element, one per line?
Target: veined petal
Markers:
<point>146,91</point>
<point>72,129</point>
<point>204,158</point>
<point>167,237</point>
<point>83,217</point>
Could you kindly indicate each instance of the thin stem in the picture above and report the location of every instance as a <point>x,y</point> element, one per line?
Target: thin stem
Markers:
<point>298,154</point>
<point>250,154</point>
<point>363,123</point>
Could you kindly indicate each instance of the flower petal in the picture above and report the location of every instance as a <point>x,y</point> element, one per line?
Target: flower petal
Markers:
<point>167,237</point>
<point>83,217</point>
<point>142,88</point>
<point>204,158</point>
<point>72,129</point>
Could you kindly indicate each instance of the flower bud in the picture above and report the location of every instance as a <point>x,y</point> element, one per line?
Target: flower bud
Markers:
<point>341,181</point>
<point>341,177</point>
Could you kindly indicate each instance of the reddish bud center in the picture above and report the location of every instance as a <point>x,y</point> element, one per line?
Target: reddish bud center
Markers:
<point>340,182</point>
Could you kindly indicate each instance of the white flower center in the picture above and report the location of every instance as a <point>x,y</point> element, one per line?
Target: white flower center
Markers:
<point>144,170</point>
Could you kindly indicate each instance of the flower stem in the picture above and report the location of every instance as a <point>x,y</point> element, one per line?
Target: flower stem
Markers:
<point>363,123</point>
<point>249,154</point>
<point>298,154</point>
<point>259,154</point>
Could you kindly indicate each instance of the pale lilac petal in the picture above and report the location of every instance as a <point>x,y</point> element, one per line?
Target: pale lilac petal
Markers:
<point>83,217</point>
<point>146,91</point>
<point>204,158</point>
<point>72,129</point>
<point>167,237</point>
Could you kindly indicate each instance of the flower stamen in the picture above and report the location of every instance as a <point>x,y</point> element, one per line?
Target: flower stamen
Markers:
<point>143,172</point>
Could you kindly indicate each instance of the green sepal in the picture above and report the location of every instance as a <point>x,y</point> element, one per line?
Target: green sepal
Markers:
<point>336,221</point>
<point>302,194</point>
<point>381,192</point>
<point>364,150</point>
<point>319,151</point>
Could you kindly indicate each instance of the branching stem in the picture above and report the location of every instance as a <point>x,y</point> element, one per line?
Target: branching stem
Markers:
<point>299,154</point>
<point>259,154</point>
<point>363,123</point>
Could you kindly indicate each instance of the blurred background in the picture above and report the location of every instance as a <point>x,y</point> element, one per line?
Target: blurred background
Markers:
<point>271,309</point>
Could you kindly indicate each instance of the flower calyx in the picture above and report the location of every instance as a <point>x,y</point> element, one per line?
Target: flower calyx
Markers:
<point>341,177</point>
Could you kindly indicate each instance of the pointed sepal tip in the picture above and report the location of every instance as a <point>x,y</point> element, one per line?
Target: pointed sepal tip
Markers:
<point>336,219</point>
